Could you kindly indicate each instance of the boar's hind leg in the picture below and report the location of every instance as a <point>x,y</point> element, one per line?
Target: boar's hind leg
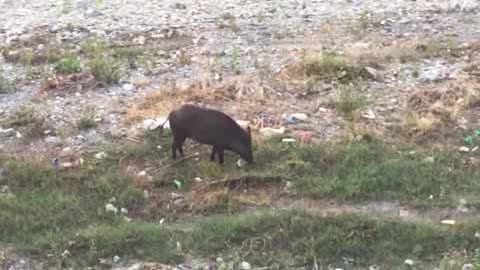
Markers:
<point>177,145</point>
<point>220,154</point>
<point>212,155</point>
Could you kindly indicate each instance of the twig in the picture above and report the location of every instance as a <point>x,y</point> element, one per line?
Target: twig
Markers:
<point>175,162</point>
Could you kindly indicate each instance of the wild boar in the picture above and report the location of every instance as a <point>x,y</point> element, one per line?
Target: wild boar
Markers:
<point>211,127</point>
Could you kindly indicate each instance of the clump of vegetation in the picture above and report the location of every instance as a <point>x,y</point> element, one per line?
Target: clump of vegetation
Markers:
<point>349,100</point>
<point>6,86</point>
<point>130,54</point>
<point>105,69</point>
<point>68,64</point>
<point>333,67</point>
<point>29,121</point>
<point>228,21</point>
<point>87,121</point>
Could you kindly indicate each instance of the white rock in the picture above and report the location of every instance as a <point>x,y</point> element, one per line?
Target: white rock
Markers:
<point>464,149</point>
<point>101,155</point>
<point>409,262</point>
<point>110,208</point>
<point>245,266</point>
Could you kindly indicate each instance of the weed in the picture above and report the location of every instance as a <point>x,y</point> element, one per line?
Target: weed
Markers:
<point>332,67</point>
<point>6,86</point>
<point>105,70</point>
<point>68,64</point>
<point>130,54</point>
<point>349,100</point>
<point>86,122</point>
<point>236,61</point>
<point>94,47</point>
<point>228,21</point>
<point>29,121</point>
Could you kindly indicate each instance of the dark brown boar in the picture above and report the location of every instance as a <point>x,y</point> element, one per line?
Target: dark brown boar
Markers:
<point>210,127</point>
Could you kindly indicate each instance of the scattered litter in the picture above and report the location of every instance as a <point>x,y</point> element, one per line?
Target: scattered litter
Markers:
<point>124,211</point>
<point>289,140</point>
<point>110,208</point>
<point>66,253</point>
<point>240,163</point>
<point>268,132</point>
<point>198,179</point>
<point>243,124</point>
<point>429,160</point>
<point>101,155</point>
<point>475,149</point>
<point>477,235</point>
<point>369,114</point>
<point>177,183</point>
<point>159,147</point>
<point>430,197</point>
<point>142,173</point>
<point>151,124</point>
<point>409,262</point>
<point>18,135</point>
<point>294,118</point>
<point>179,247</point>
<point>449,221</point>
<point>245,266</point>
<point>464,149</point>
<point>116,259</point>
<point>161,221</point>
<point>305,136</point>
<point>468,140</point>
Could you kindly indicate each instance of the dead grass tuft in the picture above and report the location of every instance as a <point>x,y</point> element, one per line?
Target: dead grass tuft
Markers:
<point>241,89</point>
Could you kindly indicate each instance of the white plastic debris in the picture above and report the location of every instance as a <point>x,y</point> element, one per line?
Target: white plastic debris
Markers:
<point>245,266</point>
<point>299,116</point>
<point>110,208</point>
<point>151,124</point>
<point>449,221</point>
<point>409,262</point>
<point>288,140</point>
<point>198,179</point>
<point>464,149</point>
<point>142,173</point>
<point>124,211</point>
<point>268,132</point>
<point>240,163</point>
<point>101,155</point>
<point>116,259</point>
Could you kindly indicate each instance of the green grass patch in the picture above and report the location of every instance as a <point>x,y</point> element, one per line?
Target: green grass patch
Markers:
<point>68,64</point>
<point>6,86</point>
<point>333,67</point>
<point>105,69</point>
<point>28,121</point>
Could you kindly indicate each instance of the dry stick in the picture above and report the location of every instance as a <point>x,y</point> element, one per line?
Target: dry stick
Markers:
<point>175,162</point>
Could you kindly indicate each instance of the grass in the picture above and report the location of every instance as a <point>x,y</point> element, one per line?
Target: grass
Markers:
<point>106,70</point>
<point>333,67</point>
<point>28,120</point>
<point>87,120</point>
<point>6,86</point>
<point>68,64</point>
<point>348,101</point>
<point>54,210</point>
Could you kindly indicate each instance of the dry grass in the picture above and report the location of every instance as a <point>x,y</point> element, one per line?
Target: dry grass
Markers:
<point>244,91</point>
<point>406,50</point>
